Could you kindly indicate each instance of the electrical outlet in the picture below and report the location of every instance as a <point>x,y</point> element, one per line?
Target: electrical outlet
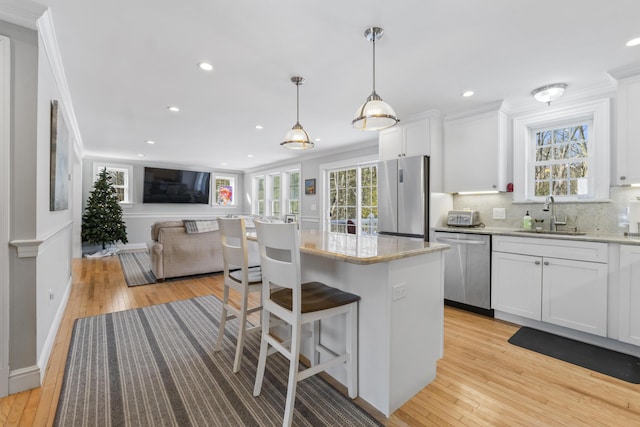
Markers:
<point>399,291</point>
<point>52,294</point>
<point>499,213</point>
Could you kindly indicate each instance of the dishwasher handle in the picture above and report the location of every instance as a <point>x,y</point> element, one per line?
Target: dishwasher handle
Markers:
<point>456,241</point>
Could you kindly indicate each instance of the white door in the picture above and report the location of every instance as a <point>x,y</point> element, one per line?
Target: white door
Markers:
<point>516,284</point>
<point>5,92</point>
<point>574,295</point>
<point>629,320</point>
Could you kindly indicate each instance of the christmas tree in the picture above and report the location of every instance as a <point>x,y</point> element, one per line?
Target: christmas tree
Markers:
<point>102,219</point>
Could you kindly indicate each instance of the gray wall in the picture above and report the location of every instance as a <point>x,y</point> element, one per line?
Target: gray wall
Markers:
<point>23,203</point>
<point>140,216</point>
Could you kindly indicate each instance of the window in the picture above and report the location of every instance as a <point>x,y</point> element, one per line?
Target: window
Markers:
<point>353,199</point>
<point>120,178</point>
<point>259,196</point>
<point>225,190</point>
<point>294,192</point>
<point>275,195</point>
<point>563,152</point>
<point>561,161</point>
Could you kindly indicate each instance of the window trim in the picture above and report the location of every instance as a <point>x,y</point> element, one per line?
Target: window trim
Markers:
<point>234,196</point>
<point>128,178</point>
<point>598,112</point>
<point>324,169</point>
<point>266,175</point>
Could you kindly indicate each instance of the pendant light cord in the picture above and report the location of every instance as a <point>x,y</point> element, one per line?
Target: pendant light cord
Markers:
<point>298,102</point>
<point>373,40</point>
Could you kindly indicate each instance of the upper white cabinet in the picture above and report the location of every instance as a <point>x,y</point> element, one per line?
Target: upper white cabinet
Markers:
<point>420,135</point>
<point>628,167</point>
<point>475,151</point>
<point>629,315</point>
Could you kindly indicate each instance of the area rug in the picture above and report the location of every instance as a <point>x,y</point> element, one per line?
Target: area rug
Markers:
<point>155,366</point>
<point>136,267</point>
<point>608,362</point>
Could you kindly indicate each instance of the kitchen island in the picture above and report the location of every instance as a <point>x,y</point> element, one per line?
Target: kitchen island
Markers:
<point>400,282</point>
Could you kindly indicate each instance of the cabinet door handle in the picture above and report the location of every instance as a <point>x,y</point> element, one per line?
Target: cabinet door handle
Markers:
<point>537,262</point>
<point>546,263</point>
<point>623,177</point>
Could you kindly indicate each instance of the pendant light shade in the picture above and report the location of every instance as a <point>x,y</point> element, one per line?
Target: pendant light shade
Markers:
<point>374,114</point>
<point>297,138</point>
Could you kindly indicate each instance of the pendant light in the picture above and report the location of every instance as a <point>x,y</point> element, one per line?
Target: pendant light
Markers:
<point>374,114</point>
<point>297,138</point>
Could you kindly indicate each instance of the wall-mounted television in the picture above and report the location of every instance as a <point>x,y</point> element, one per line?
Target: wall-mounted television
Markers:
<point>175,186</point>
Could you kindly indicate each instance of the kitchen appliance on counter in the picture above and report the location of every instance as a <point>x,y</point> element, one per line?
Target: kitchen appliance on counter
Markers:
<point>466,218</point>
<point>467,270</point>
<point>403,197</point>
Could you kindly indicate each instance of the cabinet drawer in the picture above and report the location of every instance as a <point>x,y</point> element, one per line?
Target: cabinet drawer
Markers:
<point>552,248</point>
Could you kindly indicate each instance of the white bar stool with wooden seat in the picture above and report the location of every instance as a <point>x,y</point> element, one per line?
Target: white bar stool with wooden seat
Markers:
<point>296,304</point>
<point>239,277</point>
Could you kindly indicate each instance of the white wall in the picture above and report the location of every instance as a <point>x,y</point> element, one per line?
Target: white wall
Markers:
<point>310,168</point>
<point>140,216</point>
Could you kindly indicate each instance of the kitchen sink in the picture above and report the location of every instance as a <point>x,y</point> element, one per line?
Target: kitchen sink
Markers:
<point>557,232</point>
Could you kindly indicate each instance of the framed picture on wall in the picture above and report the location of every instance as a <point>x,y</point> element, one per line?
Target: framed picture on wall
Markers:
<point>310,186</point>
<point>59,161</point>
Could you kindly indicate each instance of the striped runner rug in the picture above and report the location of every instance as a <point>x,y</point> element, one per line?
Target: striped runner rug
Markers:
<point>155,366</point>
<point>136,267</point>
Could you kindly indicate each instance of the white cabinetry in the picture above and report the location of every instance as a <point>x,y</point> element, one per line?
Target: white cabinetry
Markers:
<point>516,284</point>
<point>629,315</point>
<point>420,135</point>
<point>563,282</point>
<point>628,168</point>
<point>475,151</point>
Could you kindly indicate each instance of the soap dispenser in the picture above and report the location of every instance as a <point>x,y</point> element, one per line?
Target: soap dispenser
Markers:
<point>526,221</point>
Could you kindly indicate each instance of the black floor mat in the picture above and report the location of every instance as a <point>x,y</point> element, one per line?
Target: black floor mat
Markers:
<point>605,361</point>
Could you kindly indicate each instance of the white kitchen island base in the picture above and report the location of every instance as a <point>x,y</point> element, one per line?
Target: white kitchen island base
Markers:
<point>400,315</point>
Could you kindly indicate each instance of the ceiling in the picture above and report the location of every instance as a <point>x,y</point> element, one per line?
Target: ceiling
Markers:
<point>126,61</point>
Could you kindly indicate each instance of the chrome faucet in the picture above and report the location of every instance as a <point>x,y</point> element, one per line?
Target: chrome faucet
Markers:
<point>554,222</point>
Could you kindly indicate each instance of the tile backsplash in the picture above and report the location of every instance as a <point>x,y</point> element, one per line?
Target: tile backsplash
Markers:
<point>605,217</point>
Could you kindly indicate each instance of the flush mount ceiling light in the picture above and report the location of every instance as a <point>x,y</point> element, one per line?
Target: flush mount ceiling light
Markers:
<point>205,66</point>
<point>297,138</point>
<point>374,114</point>
<point>633,42</point>
<point>549,93</point>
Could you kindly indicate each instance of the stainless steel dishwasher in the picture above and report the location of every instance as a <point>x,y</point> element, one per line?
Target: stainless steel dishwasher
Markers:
<point>467,270</point>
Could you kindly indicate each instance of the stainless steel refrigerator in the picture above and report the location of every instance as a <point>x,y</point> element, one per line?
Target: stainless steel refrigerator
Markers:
<point>403,197</point>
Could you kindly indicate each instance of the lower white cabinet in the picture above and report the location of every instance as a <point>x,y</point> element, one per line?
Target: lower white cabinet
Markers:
<point>629,302</point>
<point>516,284</point>
<point>537,279</point>
<point>574,294</point>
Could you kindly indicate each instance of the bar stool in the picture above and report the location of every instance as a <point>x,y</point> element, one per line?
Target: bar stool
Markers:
<point>296,304</point>
<point>239,277</point>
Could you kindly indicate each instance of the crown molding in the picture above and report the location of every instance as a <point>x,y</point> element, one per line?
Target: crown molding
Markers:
<point>24,13</point>
<point>625,71</point>
<point>479,109</point>
<point>50,43</point>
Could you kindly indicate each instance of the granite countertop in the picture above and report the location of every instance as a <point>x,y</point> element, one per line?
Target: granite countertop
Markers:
<point>361,249</point>
<point>364,249</point>
<point>587,237</point>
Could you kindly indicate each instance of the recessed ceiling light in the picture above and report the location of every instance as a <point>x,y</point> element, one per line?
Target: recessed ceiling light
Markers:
<point>148,141</point>
<point>259,127</point>
<point>140,155</point>
<point>224,164</point>
<point>249,155</point>
<point>467,93</point>
<point>173,108</point>
<point>317,140</point>
<point>205,66</point>
<point>633,42</point>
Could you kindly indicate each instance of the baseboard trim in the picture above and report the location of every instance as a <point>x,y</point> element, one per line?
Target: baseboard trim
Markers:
<point>24,379</point>
<point>4,381</point>
<point>132,246</point>
<point>53,331</point>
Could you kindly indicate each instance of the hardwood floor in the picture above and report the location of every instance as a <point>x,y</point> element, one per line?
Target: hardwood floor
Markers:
<point>482,380</point>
